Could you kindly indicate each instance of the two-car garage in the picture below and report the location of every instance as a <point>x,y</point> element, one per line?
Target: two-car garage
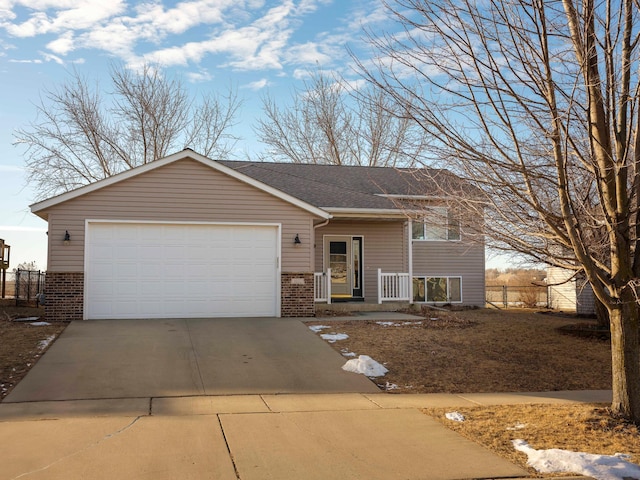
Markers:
<point>181,270</point>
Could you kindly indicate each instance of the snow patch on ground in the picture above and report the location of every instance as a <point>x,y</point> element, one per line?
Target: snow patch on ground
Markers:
<point>346,353</point>
<point>39,324</point>
<point>600,467</point>
<point>46,342</point>
<point>317,328</point>
<point>366,366</point>
<point>334,337</point>
<point>517,426</point>
<point>454,416</point>
<point>398,324</point>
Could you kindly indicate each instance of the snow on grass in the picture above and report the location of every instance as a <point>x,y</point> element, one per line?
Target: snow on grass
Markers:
<point>398,324</point>
<point>366,366</point>
<point>46,342</point>
<point>454,416</point>
<point>317,328</point>
<point>346,353</point>
<point>600,467</point>
<point>334,337</point>
<point>517,426</point>
<point>39,324</point>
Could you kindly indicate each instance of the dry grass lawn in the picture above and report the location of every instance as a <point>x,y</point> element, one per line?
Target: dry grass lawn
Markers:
<point>479,351</point>
<point>579,428</point>
<point>21,344</point>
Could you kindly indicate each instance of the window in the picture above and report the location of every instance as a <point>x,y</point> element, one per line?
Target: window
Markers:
<point>437,289</point>
<point>438,223</point>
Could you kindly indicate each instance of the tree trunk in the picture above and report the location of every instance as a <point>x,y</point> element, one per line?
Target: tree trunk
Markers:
<point>625,358</point>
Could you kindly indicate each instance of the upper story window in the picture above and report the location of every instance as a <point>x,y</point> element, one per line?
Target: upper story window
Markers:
<point>437,223</point>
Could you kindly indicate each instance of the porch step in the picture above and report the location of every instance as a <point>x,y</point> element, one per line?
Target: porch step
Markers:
<point>363,307</point>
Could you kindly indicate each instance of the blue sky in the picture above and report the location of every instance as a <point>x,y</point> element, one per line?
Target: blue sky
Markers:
<point>256,46</point>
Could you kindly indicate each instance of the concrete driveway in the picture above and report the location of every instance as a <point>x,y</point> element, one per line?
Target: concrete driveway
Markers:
<point>184,357</point>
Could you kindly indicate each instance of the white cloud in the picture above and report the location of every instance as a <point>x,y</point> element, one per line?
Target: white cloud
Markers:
<point>184,16</point>
<point>308,53</point>
<point>257,85</point>
<point>48,57</point>
<point>249,35</point>
<point>67,15</point>
<point>37,60</point>
<point>63,44</point>
<point>257,46</point>
<point>11,169</point>
<point>199,77</point>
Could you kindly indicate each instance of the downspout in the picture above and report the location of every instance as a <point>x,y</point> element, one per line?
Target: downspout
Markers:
<point>322,224</point>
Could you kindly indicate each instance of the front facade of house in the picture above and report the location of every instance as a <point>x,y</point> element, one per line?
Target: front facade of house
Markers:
<point>186,236</point>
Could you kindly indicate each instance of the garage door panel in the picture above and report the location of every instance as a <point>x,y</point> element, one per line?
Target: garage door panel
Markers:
<point>165,270</point>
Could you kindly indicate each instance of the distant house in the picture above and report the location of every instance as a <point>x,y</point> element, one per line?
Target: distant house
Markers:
<point>187,236</point>
<point>570,292</point>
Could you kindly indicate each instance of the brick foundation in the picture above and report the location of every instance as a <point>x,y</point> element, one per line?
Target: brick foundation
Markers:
<point>64,296</point>
<point>297,295</point>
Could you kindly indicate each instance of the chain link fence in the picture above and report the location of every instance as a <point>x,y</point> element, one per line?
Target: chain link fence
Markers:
<point>523,296</point>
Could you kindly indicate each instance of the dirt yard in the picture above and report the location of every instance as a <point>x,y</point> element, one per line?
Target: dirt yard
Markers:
<point>22,342</point>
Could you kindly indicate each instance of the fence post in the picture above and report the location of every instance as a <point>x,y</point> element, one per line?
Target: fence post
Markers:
<point>505,296</point>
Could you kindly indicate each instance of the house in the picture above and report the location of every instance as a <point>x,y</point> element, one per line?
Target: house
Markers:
<point>187,236</point>
<point>570,292</point>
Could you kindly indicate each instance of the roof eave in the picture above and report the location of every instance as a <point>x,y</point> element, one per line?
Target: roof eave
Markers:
<point>366,212</point>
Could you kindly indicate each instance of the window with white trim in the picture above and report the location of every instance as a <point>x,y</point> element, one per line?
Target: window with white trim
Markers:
<point>437,289</point>
<point>437,223</point>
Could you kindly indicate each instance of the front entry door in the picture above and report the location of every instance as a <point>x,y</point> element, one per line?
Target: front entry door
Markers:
<point>343,254</point>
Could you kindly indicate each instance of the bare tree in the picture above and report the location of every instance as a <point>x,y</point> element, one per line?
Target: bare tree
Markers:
<point>82,135</point>
<point>536,104</point>
<point>328,125</point>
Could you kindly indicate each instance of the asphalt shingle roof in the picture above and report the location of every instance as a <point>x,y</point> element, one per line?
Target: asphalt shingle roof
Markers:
<point>340,186</point>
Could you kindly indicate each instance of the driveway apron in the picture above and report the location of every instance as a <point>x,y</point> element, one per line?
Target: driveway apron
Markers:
<point>184,357</point>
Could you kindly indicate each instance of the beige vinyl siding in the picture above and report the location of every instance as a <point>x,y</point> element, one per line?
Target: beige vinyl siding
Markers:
<point>453,259</point>
<point>384,246</point>
<point>562,289</point>
<point>183,191</point>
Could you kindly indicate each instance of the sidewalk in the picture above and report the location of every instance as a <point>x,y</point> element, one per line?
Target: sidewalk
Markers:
<point>294,436</point>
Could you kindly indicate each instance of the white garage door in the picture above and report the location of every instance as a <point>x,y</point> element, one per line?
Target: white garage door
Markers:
<point>147,270</point>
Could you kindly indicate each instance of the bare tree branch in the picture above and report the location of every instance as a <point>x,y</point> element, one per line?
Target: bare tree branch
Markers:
<point>327,125</point>
<point>81,136</point>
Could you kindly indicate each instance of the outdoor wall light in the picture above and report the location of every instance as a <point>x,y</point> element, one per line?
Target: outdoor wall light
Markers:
<point>67,237</point>
<point>297,241</point>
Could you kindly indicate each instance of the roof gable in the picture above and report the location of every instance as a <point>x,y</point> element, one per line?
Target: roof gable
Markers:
<point>185,154</point>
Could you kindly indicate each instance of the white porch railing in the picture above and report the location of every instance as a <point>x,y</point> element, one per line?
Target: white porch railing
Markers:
<point>322,286</point>
<point>393,287</point>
